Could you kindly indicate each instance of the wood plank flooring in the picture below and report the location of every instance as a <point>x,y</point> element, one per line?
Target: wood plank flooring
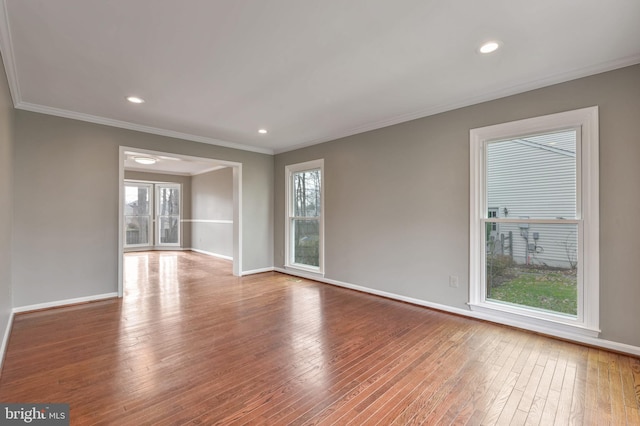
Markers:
<point>191,344</point>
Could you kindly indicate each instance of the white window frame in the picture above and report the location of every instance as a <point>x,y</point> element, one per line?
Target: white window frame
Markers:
<point>586,323</point>
<point>150,215</point>
<point>157,216</point>
<point>289,213</point>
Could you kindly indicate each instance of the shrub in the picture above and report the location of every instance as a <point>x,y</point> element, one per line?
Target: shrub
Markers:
<point>499,269</point>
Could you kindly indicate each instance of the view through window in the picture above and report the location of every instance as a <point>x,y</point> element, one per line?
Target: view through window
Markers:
<point>533,263</point>
<point>304,189</point>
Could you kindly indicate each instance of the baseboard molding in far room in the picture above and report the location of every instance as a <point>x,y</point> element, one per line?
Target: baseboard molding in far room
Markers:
<point>243,273</point>
<point>154,248</point>
<point>208,253</point>
<point>66,302</point>
<point>257,271</point>
<point>589,341</point>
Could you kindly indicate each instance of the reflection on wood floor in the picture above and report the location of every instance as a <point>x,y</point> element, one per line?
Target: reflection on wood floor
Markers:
<point>190,343</point>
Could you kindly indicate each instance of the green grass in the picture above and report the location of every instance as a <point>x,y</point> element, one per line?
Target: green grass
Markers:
<point>550,290</point>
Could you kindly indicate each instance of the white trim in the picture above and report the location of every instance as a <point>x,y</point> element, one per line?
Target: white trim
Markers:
<point>310,273</point>
<point>289,171</point>
<point>472,100</point>
<point>6,46</point>
<point>531,322</point>
<point>5,340</point>
<point>585,121</point>
<point>59,112</point>
<point>151,215</point>
<point>207,221</point>
<point>174,173</point>
<point>257,271</point>
<point>121,185</point>
<point>551,332</point>
<point>8,56</point>
<point>66,302</point>
<point>157,187</point>
<point>208,253</point>
<point>237,220</point>
<point>155,248</point>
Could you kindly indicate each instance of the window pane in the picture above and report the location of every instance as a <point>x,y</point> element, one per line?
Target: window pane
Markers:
<point>306,242</point>
<point>533,176</point>
<point>136,200</point>
<point>306,193</point>
<point>533,265</point>
<point>169,227</point>
<point>169,201</point>
<point>137,230</point>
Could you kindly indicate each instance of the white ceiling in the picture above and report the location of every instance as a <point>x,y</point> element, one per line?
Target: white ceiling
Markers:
<point>170,163</point>
<point>308,71</point>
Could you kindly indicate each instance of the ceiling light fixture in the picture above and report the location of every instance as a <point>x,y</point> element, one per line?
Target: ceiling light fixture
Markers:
<point>263,131</point>
<point>489,47</point>
<point>135,100</point>
<point>145,160</point>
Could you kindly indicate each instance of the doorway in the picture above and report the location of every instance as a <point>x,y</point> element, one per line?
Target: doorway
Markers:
<point>156,224</point>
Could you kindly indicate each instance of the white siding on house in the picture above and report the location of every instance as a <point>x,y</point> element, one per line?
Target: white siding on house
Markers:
<point>534,178</point>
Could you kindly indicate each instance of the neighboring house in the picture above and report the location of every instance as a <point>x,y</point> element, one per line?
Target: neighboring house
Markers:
<point>516,170</point>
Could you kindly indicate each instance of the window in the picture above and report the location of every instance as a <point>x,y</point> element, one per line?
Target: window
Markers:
<point>149,225</point>
<point>534,222</point>
<point>138,211</point>
<point>305,226</point>
<point>168,214</point>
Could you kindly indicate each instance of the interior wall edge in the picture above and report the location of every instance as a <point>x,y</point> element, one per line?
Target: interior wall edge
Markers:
<point>5,340</point>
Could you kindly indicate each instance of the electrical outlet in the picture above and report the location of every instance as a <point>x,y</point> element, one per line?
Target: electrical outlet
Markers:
<point>453,281</point>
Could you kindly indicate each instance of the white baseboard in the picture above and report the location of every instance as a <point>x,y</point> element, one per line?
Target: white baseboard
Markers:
<point>591,341</point>
<point>154,248</point>
<point>208,253</point>
<point>58,303</point>
<point>257,271</point>
<point>5,340</point>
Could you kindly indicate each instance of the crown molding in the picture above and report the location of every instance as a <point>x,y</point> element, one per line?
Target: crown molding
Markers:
<point>6,48</point>
<point>473,100</point>
<point>8,57</point>
<point>137,127</point>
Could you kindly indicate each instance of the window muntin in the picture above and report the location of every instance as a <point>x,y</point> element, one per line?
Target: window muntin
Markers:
<point>304,239</point>
<point>542,176</point>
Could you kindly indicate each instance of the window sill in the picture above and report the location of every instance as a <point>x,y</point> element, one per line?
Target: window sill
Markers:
<point>554,327</point>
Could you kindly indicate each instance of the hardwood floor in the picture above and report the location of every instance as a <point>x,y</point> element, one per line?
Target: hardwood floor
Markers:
<point>191,344</point>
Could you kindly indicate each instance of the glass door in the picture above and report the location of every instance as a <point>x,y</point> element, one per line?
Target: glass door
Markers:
<point>168,214</point>
<point>138,214</point>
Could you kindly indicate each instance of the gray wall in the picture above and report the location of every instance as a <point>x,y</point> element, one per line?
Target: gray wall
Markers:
<point>6,205</point>
<point>212,199</point>
<point>66,204</point>
<point>397,199</point>
<point>185,214</point>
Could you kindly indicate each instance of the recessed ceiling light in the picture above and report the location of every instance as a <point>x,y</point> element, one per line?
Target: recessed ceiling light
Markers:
<point>263,131</point>
<point>145,160</point>
<point>135,99</point>
<point>489,47</point>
